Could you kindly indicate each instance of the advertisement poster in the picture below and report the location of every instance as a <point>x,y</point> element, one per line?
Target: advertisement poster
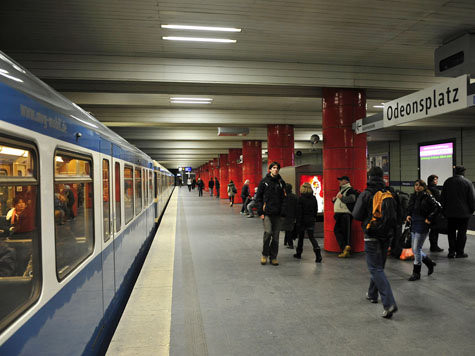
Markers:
<point>317,185</point>
<point>436,159</point>
<point>379,160</point>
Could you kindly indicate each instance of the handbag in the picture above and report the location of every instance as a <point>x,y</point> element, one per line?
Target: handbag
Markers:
<point>406,237</point>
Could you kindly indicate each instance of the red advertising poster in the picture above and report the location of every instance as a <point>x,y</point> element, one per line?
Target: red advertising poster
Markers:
<point>317,185</point>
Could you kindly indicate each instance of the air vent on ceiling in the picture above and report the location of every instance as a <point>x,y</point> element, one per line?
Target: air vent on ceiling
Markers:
<point>233,131</point>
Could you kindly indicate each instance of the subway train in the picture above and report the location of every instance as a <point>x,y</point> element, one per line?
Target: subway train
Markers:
<point>79,206</point>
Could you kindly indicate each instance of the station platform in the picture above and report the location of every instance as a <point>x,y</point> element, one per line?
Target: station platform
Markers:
<point>203,291</point>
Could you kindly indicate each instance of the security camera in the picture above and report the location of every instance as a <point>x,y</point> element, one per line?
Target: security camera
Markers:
<point>314,139</point>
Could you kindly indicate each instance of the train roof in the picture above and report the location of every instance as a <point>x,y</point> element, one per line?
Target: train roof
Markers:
<point>17,77</point>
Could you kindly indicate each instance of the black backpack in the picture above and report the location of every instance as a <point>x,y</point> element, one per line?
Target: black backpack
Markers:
<point>384,216</point>
<point>357,193</point>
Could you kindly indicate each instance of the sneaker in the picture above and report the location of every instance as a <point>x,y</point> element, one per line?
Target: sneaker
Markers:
<point>372,300</point>
<point>388,313</point>
<point>461,255</point>
<point>274,262</point>
<point>250,216</point>
<point>242,213</point>
<point>263,260</point>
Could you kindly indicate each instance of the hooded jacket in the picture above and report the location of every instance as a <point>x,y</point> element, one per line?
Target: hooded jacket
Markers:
<point>361,211</point>
<point>270,196</point>
<point>307,209</point>
<point>458,197</point>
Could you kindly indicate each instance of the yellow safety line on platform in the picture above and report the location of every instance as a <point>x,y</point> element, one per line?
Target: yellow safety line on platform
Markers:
<point>144,328</point>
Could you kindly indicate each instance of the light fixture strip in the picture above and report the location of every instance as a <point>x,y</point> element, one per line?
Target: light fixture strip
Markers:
<point>198,39</point>
<point>202,28</point>
<point>193,99</point>
<point>189,102</point>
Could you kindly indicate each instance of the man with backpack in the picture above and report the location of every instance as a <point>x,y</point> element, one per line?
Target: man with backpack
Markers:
<point>378,210</point>
<point>343,204</point>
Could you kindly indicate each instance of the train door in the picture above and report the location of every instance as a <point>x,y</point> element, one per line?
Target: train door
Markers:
<point>108,263</point>
<point>155,194</point>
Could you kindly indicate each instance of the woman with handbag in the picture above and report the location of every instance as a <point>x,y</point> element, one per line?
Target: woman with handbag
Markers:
<point>232,190</point>
<point>422,209</point>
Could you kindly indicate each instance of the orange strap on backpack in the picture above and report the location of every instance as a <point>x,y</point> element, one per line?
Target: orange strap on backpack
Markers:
<point>378,198</point>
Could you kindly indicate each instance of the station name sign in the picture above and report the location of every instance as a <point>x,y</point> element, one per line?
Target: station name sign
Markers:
<point>437,100</point>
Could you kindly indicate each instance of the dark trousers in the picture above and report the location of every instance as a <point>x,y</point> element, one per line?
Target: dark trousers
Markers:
<point>200,192</point>
<point>289,237</point>
<point>270,246</point>
<point>457,233</point>
<point>217,192</point>
<point>231,199</point>
<point>312,239</point>
<point>189,187</point>
<point>376,253</point>
<point>434,237</point>
<point>342,229</point>
<point>245,201</point>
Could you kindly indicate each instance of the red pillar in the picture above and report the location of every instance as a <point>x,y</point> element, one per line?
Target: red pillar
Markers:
<point>206,176</point>
<point>223,176</point>
<point>252,163</point>
<point>344,153</point>
<point>235,171</point>
<point>280,144</point>
<point>215,169</point>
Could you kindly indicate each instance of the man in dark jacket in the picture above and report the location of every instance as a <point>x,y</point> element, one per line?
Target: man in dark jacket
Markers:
<point>211,186</point>
<point>270,207</point>
<point>375,248</point>
<point>432,182</point>
<point>458,203</point>
<point>343,217</point>
<point>216,186</point>
<point>245,196</point>
<point>290,217</point>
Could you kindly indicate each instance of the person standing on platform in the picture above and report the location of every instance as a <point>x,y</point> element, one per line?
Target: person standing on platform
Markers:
<point>216,186</point>
<point>307,210</point>
<point>188,183</point>
<point>245,195</point>
<point>193,184</point>
<point>232,190</point>
<point>375,247</point>
<point>200,185</point>
<point>211,186</point>
<point>432,182</point>
<point>343,217</point>
<point>458,203</point>
<point>271,208</point>
<point>290,217</point>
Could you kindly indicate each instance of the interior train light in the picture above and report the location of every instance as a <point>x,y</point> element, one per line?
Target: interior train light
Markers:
<point>202,28</point>
<point>198,39</point>
<point>13,151</point>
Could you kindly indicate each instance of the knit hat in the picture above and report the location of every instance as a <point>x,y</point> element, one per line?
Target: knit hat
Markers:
<point>459,170</point>
<point>376,172</point>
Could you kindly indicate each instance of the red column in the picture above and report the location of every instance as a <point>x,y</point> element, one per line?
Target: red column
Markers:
<point>223,176</point>
<point>280,144</point>
<point>344,153</point>
<point>235,171</point>
<point>215,169</point>
<point>252,163</point>
<point>206,176</point>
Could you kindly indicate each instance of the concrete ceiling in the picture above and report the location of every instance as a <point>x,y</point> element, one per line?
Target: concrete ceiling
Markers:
<point>109,57</point>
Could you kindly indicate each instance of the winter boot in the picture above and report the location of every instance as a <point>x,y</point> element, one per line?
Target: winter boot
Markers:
<point>318,256</point>
<point>430,265</point>
<point>416,273</point>
<point>346,252</point>
<point>298,255</point>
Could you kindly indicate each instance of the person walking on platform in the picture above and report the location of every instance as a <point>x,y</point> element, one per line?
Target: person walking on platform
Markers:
<point>376,246</point>
<point>432,182</point>
<point>193,184</point>
<point>290,219</point>
<point>343,217</point>
<point>216,186</point>
<point>188,183</point>
<point>232,190</point>
<point>421,211</point>
<point>458,203</point>
<point>270,206</point>
<point>211,186</point>
<point>200,185</point>
<point>245,195</point>
<point>307,209</point>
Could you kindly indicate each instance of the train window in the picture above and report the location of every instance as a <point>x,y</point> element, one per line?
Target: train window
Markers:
<point>128,193</point>
<point>106,211</point>
<point>155,190</point>
<point>20,277</point>
<point>138,191</point>
<point>73,211</point>
<point>118,212</point>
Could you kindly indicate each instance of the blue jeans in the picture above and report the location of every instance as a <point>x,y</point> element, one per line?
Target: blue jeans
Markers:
<point>418,239</point>
<point>376,253</point>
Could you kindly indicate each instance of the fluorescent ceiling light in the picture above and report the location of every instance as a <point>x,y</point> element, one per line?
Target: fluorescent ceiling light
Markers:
<point>202,28</point>
<point>193,99</point>
<point>13,151</point>
<point>199,39</point>
<point>378,106</point>
<point>189,102</point>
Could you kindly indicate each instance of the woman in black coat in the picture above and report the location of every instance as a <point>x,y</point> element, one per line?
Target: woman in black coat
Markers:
<point>290,216</point>
<point>307,209</point>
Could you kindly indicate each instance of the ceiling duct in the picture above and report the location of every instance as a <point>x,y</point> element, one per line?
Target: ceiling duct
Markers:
<point>233,131</point>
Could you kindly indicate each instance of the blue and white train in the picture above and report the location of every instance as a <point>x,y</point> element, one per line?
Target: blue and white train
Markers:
<point>78,208</point>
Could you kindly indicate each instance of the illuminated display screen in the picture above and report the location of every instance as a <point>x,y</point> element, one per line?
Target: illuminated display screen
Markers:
<point>436,159</point>
<point>317,185</point>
